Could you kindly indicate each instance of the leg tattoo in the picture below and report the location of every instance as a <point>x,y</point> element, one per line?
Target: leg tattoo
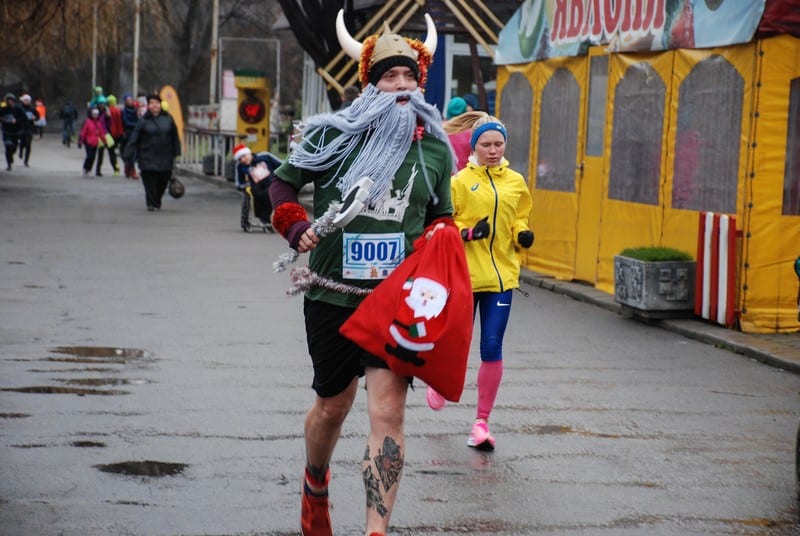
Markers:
<point>373,488</point>
<point>389,463</point>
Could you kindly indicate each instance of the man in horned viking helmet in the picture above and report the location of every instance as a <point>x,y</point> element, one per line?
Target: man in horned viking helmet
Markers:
<point>391,135</point>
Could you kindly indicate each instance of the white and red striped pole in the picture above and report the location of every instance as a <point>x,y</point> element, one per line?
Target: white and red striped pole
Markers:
<point>715,278</point>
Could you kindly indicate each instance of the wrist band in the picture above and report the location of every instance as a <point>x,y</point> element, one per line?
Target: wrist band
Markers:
<point>469,234</point>
<point>286,215</point>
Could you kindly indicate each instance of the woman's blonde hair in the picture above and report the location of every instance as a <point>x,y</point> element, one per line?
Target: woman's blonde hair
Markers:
<point>486,119</point>
<point>465,121</point>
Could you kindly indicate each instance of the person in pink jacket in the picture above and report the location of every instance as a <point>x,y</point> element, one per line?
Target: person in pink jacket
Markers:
<point>92,136</point>
<point>458,127</point>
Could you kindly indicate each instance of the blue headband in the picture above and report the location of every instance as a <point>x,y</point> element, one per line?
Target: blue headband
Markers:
<point>483,128</point>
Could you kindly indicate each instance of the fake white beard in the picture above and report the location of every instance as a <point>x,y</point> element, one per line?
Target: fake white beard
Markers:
<point>385,127</point>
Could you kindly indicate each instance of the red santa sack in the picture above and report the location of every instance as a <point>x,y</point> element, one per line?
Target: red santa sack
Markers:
<point>419,319</point>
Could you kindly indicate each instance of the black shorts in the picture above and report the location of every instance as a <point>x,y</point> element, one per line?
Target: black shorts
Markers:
<point>336,360</point>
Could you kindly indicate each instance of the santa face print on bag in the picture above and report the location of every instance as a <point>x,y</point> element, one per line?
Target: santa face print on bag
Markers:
<point>418,321</point>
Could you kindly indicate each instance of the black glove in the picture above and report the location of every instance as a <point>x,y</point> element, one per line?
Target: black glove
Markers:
<point>525,239</point>
<point>481,230</point>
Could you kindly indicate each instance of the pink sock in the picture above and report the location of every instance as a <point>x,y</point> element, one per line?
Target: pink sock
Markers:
<point>489,375</point>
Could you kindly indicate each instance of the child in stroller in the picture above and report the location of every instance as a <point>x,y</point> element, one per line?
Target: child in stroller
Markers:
<point>252,178</point>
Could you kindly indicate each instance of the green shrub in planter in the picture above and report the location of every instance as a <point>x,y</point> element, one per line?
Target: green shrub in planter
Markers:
<point>656,254</point>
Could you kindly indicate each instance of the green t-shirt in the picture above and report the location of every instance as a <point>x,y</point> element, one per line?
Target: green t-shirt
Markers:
<point>365,251</point>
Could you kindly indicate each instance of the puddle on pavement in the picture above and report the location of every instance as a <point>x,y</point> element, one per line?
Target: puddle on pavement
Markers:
<point>88,444</point>
<point>102,370</point>
<point>144,468</point>
<point>102,381</point>
<point>553,429</point>
<point>130,503</point>
<point>100,354</point>
<point>53,390</point>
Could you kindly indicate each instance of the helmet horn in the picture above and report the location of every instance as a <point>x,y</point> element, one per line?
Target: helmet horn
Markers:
<point>350,46</point>
<point>431,40</point>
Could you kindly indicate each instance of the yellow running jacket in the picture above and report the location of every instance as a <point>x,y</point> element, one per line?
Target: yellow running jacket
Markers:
<point>501,194</point>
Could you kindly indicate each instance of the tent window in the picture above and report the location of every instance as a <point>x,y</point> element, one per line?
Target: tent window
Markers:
<point>558,133</point>
<point>638,124</point>
<point>598,89</point>
<point>517,119</point>
<point>791,174</point>
<point>707,139</point>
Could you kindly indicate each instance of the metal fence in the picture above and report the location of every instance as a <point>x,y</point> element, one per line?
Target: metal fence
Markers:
<point>209,151</point>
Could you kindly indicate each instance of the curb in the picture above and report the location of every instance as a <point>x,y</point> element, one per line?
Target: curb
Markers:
<point>763,349</point>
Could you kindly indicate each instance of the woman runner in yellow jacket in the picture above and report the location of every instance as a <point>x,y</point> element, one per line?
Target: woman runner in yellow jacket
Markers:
<point>492,205</point>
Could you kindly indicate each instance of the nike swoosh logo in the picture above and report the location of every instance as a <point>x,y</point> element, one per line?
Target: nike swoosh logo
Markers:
<point>500,304</point>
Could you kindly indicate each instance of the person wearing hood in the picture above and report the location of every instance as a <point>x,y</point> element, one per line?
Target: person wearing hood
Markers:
<point>12,117</point>
<point>97,92</point>
<point>154,143</point>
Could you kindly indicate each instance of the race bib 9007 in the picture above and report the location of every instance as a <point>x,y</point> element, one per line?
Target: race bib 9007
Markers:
<point>371,256</point>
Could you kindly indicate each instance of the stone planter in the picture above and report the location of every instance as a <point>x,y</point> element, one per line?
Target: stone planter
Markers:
<point>654,290</point>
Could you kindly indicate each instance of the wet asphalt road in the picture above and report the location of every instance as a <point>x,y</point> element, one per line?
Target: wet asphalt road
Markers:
<point>161,344</point>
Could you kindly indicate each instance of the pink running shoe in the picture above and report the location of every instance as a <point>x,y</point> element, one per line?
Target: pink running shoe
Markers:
<point>435,400</point>
<point>480,438</point>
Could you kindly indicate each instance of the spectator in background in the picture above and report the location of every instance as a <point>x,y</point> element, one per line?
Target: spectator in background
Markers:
<point>472,102</point>
<point>28,128</point>
<point>141,103</point>
<point>257,172</point>
<point>114,120</point>
<point>68,115</point>
<point>456,106</point>
<point>97,92</point>
<point>350,94</point>
<point>130,116</point>
<point>155,144</point>
<point>457,131</point>
<point>12,117</point>
<point>101,105</point>
<point>92,133</point>
<point>42,121</point>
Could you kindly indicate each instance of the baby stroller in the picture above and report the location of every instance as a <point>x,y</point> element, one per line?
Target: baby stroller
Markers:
<point>249,221</point>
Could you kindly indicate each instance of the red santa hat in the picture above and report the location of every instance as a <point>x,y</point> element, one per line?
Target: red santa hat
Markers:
<point>241,150</point>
